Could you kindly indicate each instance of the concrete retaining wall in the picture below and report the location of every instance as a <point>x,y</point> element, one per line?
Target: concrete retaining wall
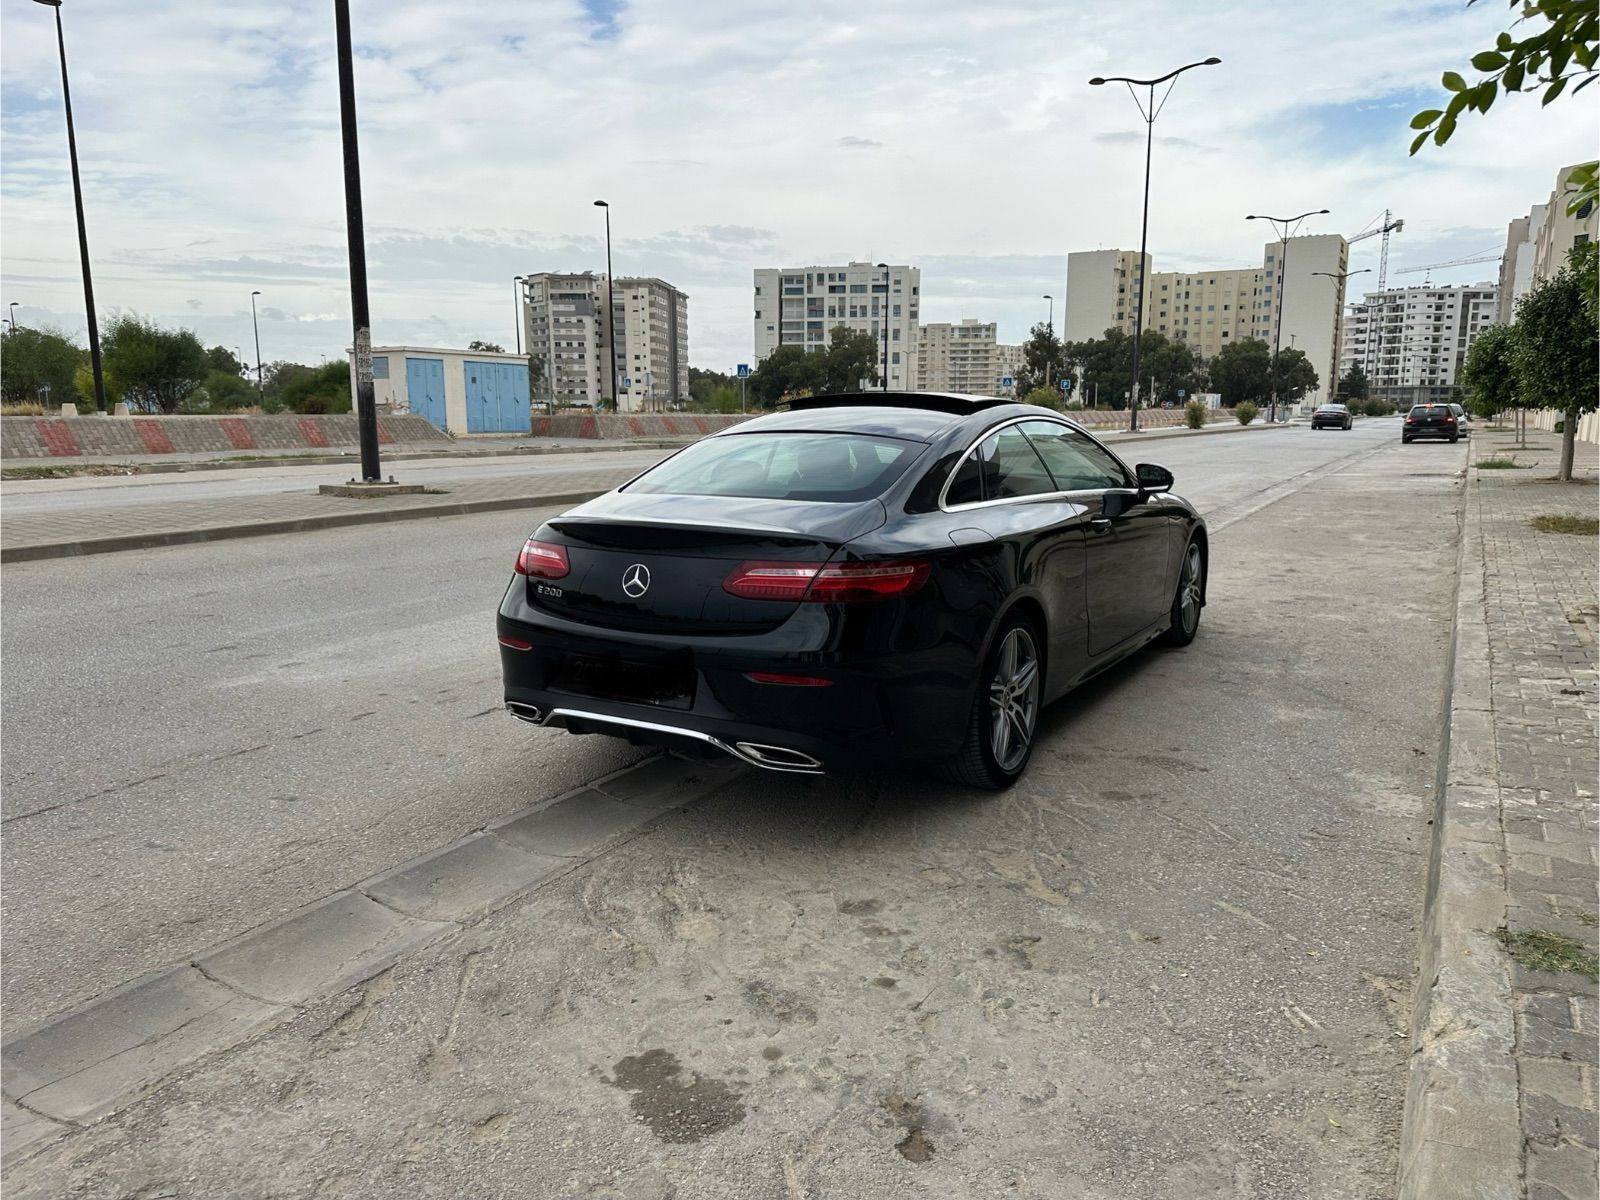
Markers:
<point>111,437</point>
<point>621,426</point>
<point>1588,424</point>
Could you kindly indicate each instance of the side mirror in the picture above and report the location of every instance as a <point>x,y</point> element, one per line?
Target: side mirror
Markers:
<point>1153,478</point>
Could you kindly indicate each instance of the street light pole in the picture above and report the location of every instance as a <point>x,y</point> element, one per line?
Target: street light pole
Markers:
<point>11,311</point>
<point>1283,277</point>
<point>1338,278</point>
<point>1149,111</point>
<point>256,325</point>
<point>611,312</point>
<point>886,290</point>
<point>360,316</point>
<point>516,291</point>
<point>1050,332</point>
<point>83,232</point>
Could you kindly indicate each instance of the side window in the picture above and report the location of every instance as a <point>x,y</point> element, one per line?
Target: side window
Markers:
<point>1011,468</point>
<point>1075,462</point>
<point>967,485</point>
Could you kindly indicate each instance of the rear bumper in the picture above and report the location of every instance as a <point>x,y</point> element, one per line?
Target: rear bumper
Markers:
<point>1434,434</point>
<point>897,703</point>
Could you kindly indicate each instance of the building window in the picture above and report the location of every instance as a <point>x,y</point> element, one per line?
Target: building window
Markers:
<point>380,367</point>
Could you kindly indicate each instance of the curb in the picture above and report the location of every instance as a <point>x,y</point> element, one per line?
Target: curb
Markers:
<point>78,1067</point>
<point>184,537</point>
<point>1462,1132</point>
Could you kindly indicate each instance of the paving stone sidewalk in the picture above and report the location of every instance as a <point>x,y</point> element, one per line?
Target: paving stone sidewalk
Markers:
<point>112,527</point>
<point>1541,609</point>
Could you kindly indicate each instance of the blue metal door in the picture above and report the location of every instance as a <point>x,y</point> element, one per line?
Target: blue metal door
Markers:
<point>497,397</point>
<point>425,388</point>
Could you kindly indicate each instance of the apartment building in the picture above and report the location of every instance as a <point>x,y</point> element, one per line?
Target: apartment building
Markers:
<point>1537,244</point>
<point>1102,290</point>
<point>652,363</point>
<point>1010,360</point>
<point>1412,341</point>
<point>1211,309</point>
<point>564,322</point>
<point>962,357</point>
<point>801,306</point>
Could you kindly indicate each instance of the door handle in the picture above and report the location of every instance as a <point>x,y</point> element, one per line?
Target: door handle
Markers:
<point>1099,524</point>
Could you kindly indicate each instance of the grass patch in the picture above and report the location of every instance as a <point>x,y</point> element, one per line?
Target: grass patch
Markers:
<point>1590,919</point>
<point>65,472</point>
<point>22,410</point>
<point>1566,523</point>
<point>1540,950</point>
<point>1500,464</point>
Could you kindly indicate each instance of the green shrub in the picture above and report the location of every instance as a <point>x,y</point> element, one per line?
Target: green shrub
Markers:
<point>1195,413</point>
<point>1245,412</point>
<point>1561,426</point>
<point>1044,397</point>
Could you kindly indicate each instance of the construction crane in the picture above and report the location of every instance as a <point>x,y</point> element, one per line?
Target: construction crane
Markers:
<point>1391,224</point>
<point>1454,262</point>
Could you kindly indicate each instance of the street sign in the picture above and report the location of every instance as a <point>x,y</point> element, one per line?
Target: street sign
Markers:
<point>1066,385</point>
<point>744,370</point>
<point>626,382</point>
<point>1182,393</point>
<point>1007,381</point>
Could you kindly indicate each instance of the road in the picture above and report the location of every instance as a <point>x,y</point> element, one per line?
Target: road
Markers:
<point>1171,962</point>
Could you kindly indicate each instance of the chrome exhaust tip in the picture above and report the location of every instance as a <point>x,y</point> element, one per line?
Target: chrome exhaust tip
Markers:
<point>776,758</point>
<point>530,713</point>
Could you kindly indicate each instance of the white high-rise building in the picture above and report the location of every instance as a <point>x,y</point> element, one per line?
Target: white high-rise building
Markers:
<point>1537,245</point>
<point>961,357</point>
<point>801,306</point>
<point>1102,293</point>
<point>1412,341</point>
<point>564,323</point>
<point>1011,360</point>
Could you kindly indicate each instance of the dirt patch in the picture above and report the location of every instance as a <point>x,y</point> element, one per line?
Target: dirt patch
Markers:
<point>915,1146</point>
<point>679,1105</point>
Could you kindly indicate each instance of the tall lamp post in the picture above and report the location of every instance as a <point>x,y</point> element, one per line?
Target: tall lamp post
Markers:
<point>884,267</point>
<point>611,313</point>
<point>356,236</point>
<point>1338,278</point>
<point>83,232</point>
<point>11,311</point>
<point>516,293</point>
<point>256,325</point>
<point>1149,110</point>
<point>1282,226</point>
<point>1050,332</point>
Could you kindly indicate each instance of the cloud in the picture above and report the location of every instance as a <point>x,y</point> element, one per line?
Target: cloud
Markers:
<point>489,126</point>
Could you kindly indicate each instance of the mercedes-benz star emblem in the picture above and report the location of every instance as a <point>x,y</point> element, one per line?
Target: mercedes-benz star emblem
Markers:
<point>636,580</point>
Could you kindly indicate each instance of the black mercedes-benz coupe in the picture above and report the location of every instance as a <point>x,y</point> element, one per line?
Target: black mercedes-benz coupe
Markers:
<point>863,580</point>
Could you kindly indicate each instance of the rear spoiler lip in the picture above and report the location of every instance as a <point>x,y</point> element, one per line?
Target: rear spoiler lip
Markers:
<point>710,526</point>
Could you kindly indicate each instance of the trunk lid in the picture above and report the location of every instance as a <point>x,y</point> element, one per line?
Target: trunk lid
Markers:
<point>656,563</point>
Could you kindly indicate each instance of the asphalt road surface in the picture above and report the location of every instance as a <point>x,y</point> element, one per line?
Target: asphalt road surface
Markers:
<point>1172,962</point>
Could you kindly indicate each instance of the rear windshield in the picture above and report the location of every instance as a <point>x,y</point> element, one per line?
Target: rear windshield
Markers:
<point>1431,410</point>
<point>841,467</point>
<point>1332,408</point>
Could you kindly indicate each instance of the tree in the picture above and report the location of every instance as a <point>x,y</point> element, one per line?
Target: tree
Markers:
<point>1355,385</point>
<point>483,347</point>
<point>1044,361</point>
<point>1243,371</point>
<point>1044,397</point>
<point>325,389</point>
<point>223,391</point>
<point>850,363</point>
<point>32,360</point>
<point>220,358</point>
<point>786,372</point>
<point>1550,55</point>
<point>157,369</point>
<point>1557,345</point>
<point>1488,374</point>
<point>703,383</point>
<point>724,398</point>
<point>1296,376</point>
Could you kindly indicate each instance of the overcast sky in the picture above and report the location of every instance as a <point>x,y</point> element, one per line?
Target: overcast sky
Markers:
<point>960,137</point>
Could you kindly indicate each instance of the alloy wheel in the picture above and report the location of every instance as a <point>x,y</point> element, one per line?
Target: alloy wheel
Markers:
<point>1189,590</point>
<point>1014,699</point>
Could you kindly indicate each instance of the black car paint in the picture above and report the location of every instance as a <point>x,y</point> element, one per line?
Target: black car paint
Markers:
<point>1094,571</point>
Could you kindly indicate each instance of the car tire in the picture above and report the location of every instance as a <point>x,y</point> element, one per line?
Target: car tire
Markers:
<point>1405,441</point>
<point>989,758</point>
<point>1452,440</point>
<point>1189,598</point>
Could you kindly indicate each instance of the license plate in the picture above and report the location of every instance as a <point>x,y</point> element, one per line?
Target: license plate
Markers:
<point>670,684</point>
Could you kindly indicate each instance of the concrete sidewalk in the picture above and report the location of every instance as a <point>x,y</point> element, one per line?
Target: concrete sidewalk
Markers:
<point>101,529</point>
<point>1502,1099</point>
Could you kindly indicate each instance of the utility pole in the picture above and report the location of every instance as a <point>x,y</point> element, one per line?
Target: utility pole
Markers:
<point>355,233</point>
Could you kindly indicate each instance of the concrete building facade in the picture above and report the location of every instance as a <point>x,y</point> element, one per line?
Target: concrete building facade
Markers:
<point>801,306</point>
<point>1537,245</point>
<point>1213,308</point>
<point>564,322</point>
<point>459,391</point>
<point>1411,342</point>
<point>1102,291</point>
<point>959,357</point>
<point>1010,359</point>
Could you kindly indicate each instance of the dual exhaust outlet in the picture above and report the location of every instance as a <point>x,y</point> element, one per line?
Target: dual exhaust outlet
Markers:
<point>768,758</point>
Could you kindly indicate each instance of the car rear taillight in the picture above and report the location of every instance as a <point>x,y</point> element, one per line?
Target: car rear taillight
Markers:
<point>822,584</point>
<point>1449,420</point>
<point>1411,420</point>
<point>511,643</point>
<point>542,560</point>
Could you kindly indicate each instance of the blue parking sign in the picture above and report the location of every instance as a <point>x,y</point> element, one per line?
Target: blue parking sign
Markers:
<point>1066,385</point>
